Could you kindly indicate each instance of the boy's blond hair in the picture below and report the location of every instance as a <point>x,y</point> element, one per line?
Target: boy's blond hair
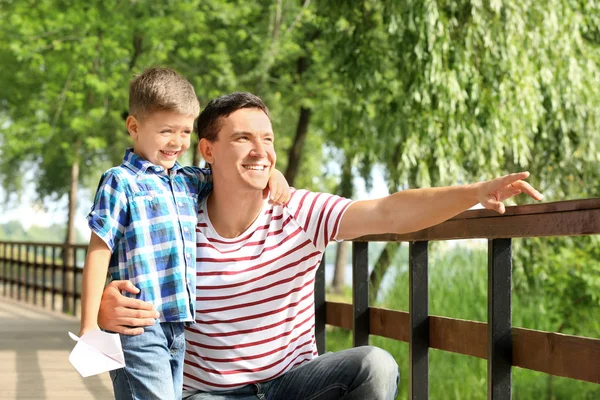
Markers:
<point>161,89</point>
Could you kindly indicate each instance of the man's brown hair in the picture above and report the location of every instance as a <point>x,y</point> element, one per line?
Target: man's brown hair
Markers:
<point>209,122</point>
<point>161,89</point>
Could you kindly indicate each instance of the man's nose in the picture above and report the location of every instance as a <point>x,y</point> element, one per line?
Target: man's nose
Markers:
<point>258,149</point>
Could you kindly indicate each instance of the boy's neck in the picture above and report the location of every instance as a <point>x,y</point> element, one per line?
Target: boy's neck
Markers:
<point>231,214</point>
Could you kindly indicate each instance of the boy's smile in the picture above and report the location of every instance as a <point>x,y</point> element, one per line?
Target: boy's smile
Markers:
<point>161,137</point>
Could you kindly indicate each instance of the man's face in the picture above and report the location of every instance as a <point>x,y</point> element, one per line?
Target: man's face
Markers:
<point>161,137</point>
<point>243,153</point>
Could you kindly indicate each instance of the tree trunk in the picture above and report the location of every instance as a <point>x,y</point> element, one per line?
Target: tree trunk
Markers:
<point>68,253</point>
<point>339,272</point>
<point>346,189</point>
<point>295,152</point>
<point>381,266</point>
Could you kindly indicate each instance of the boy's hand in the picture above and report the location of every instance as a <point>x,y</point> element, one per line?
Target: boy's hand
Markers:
<point>491,193</point>
<point>278,189</point>
<point>86,329</point>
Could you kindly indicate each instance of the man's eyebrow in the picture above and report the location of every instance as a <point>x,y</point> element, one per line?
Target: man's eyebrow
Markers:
<point>241,133</point>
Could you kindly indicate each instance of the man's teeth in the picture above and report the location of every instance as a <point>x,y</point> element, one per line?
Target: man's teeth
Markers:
<point>255,167</point>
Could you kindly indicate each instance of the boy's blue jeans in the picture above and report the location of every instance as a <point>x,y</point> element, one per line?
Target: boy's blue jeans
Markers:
<point>361,373</point>
<point>153,364</point>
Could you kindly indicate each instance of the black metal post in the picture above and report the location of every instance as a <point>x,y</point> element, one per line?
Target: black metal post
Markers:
<point>36,274</point>
<point>74,250</point>
<point>65,301</point>
<point>12,271</point>
<point>19,270</point>
<point>53,273</point>
<point>419,320</point>
<point>28,279</point>
<point>5,266</point>
<point>360,292</point>
<point>499,319</point>
<point>43,284</point>
<point>320,311</point>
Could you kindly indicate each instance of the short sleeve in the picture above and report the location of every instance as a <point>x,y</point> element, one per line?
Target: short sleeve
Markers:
<point>109,214</point>
<point>200,180</point>
<point>205,184</point>
<point>319,214</point>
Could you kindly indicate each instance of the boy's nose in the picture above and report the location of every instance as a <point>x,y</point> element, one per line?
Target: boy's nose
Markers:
<point>175,140</point>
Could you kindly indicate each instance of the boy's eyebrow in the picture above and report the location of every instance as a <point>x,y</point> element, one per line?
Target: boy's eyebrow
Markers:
<point>176,126</point>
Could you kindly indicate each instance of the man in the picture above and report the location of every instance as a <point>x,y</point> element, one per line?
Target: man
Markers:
<point>254,331</point>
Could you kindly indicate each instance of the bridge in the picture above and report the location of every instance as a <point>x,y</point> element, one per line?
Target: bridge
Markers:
<point>37,280</point>
<point>34,351</point>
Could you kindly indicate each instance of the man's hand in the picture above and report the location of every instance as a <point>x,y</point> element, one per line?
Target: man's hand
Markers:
<point>123,314</point>
<point>492,193</point>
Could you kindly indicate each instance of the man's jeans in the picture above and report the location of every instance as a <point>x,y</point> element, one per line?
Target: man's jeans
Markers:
<point>361,373</point>
<point>153,364</point>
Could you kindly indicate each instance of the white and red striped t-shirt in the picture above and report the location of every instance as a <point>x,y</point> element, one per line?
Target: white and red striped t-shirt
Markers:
<point>255,293</point>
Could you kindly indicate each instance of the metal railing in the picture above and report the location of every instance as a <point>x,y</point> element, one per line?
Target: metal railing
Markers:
<point>503,345</point>
<point>54,271</point>
<point>46,274</point>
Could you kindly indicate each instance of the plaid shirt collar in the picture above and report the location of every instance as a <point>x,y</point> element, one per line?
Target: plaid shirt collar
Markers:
<point>139,165</point>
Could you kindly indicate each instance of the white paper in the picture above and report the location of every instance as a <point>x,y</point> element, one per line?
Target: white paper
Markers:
<point>96,352</point>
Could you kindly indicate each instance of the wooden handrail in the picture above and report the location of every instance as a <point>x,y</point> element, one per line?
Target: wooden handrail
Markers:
<point>553,353</point>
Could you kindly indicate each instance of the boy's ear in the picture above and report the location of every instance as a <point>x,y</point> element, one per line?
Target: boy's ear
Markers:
<point>206,149</point>
<point>132,125</point>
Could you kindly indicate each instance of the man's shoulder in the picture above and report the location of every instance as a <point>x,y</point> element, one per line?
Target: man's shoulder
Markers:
<point>301,197</point>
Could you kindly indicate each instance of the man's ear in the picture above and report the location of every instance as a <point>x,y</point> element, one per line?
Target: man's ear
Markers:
<point>132,125</point>
<point>206,149</point>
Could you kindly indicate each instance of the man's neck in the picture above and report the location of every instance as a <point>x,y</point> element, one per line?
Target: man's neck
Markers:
<point>232,213</point>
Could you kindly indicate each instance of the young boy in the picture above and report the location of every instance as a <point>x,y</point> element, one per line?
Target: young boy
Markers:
<point>143,229</point>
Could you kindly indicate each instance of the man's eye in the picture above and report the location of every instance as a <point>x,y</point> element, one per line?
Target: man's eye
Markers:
<point>166,131</point>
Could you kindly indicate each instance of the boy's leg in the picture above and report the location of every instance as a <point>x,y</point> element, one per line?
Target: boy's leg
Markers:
<point>177,349</point>
<point>148,374</point>
<point>360,373</point>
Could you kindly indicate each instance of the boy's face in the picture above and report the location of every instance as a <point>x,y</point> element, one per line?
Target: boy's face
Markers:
<point>161,137</point>
<point>243,154</point>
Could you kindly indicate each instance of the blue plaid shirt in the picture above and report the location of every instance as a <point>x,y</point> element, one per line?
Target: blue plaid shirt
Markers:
<point>147,216</point>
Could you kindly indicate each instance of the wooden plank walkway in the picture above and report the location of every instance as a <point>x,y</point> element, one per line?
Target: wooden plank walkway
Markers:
<point>34,352</point>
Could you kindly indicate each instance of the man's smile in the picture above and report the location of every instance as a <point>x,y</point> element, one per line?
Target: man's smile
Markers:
<point>255,167</point>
